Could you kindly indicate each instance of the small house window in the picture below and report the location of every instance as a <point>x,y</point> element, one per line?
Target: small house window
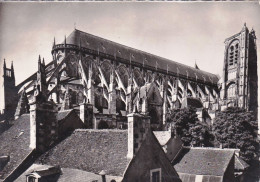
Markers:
<point>156,175</point>
<point>31,179</point>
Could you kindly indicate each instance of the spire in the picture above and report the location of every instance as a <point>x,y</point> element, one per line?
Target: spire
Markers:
<point>54,43</point>
<point>39,63</point>
<point>12,69</point>
<point>65,41</point>
<point>4,68</point>
<point>39,60</point>
<point>252,32</point>
<point>12,66</point>
<point>43,62</point>
<point>4,64</point>
<point>244,27</point>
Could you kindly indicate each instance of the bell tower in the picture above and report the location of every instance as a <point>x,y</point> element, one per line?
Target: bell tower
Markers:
<point>9,93</point>
<point>239,87</point>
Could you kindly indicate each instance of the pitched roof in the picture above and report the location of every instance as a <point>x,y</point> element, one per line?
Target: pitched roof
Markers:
<point>203,161</point>
<point>99,44</point>
<point>15,143</point>
<point>68,174</point>
<point>163,136</point>
<point>63,114</point>
<point>91,150</point>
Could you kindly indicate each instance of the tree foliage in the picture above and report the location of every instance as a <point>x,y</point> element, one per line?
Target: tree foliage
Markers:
<point>185,124</point>
<point>237,128</point>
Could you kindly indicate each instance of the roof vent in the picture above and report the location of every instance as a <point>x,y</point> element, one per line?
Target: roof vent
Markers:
<point>17,136</point>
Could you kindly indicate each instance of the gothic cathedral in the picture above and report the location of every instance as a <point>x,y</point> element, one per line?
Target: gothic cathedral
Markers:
<point>115,80</point>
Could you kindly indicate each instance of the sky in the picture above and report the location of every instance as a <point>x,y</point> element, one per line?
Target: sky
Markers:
<point>184,32</point>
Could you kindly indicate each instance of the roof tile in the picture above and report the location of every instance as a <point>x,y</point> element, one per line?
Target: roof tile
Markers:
<point>91,150</point>
<point>15,143</point>
<point>203,161</point>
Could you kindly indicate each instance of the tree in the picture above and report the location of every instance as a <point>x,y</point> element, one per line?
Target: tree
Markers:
<point>185,124</point>
<point>237,128</point>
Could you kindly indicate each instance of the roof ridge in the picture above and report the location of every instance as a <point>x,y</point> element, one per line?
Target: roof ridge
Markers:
<point>145,52</point>
<point>211,148</point>
<point>99,130</point>
<point>67,110</point>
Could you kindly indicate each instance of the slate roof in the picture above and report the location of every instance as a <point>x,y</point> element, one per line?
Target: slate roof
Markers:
<point>240,164</point>
<point>114,49</point>
<point>205,178</point>
<point>162,136</point>
<point>91,150</point>
<point>203,161</point>
<point>15,142</point>
<point>191,102</point>
<point>68,174</point>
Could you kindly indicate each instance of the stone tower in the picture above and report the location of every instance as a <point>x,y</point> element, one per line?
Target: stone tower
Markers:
<point>9,93</point>
<point>239,84</point>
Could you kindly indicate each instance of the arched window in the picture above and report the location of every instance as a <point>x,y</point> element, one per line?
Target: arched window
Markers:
<point>123,74</point>
<point>80,97</point>
<point>106,69</point>
<point>231,91</point>
<point>138,77</point>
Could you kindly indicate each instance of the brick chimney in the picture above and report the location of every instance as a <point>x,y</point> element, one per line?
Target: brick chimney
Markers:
<point>138,126</point>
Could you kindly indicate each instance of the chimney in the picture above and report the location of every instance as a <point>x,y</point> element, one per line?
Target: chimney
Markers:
<point>138,126</point>
<point>103,175</point>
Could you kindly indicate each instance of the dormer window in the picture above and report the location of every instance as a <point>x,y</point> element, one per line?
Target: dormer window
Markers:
<point>31,179</point>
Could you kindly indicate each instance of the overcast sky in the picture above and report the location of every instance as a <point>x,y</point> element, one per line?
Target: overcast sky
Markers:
<point>183,32</point>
